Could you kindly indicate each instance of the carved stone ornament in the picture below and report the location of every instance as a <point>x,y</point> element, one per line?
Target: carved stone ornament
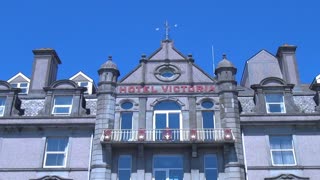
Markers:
<point>287,177</point>
<point>51,178</point>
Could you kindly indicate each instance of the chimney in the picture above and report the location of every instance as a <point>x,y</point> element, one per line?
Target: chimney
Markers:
<point>44,70</point>
<point>287,60</point>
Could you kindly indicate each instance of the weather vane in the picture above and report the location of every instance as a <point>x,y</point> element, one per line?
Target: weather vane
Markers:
<point>167,29</point>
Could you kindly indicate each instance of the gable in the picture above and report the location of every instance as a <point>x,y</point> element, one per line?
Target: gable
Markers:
<point>19,78</point>
<point>167,51</point>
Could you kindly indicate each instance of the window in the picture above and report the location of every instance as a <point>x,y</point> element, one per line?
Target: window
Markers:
<point>210,167</point>
<point>207,120</point>
<point>167,121</point>
<point>168,167</point>
<point>84,84</point>
<point>24,86</point>
<point>2,105</point>
<point>282,151</point>
<point>126,121</point>
<point>56,152</point>
<point>124,167</point>
<point>275,103</point>
<point>62,105</point>
<point>167,73</point>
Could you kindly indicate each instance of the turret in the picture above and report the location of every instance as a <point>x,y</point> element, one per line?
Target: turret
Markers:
<point>108,75</point>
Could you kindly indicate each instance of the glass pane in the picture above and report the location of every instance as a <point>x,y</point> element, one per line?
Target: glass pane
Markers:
<point>211,174</point>
<point>174,120</point>
<point>210,161</point>
<point>161,121</point>
<point>207,104</point>
<point>83,84</point>
<point>274,98</point>
<point>1,110</point>
<point>126,120</point>
<point>2,101</point>
<point>124,162</point>
<point>281,142</point>
<point>275,142</point>
<point>275,108</point>
<point>175,174</point>
<point>23,85</point>
<point>126,105</point>
<point>167,74</point>
<point>160,175</point>
<point>124,174</point>
<point>63,100</point>
<point>167,105</point>
<point>277,157</point>
<point>23,90</point>
<point>57,144</point>
<point>287,157</point>
<point>61,110</point>
<point>14,85</point>
<point>55,160</point>
<point>207,119</point>
<point>168,162</point>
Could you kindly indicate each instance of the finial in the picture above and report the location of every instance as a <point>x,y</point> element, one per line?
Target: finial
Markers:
<point>167,30</point>
<point>224,56</point>
<point>110,58</point>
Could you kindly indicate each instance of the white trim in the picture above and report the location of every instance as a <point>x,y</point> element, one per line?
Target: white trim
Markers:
<point>65,153</point>
<point>17,75</point>
<point>282,104</point>
<point>283,150</point>
<point>61,106</point>
<point>167,112</point>
<point>3,107</point>
<point>19,86</point>
<point>82,74</point>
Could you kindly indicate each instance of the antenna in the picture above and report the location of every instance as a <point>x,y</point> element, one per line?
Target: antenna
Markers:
<point>213,66</point>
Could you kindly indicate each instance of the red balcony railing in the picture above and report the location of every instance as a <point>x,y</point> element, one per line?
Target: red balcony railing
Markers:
<point>167,135</point>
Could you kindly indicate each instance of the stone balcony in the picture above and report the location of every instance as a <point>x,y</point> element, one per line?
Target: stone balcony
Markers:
<point>167,136</point>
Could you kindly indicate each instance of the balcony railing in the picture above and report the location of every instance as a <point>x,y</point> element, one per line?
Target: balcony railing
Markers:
<point>167,135</point>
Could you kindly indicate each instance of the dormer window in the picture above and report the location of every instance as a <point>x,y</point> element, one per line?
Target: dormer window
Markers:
<point>84,84</point>
<point>275,103</point>
<point>62,105</point>
<point>24,86</point>
<point>2,105</point>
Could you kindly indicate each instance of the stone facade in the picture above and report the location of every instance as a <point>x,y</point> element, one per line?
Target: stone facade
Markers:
<point>166,119</point>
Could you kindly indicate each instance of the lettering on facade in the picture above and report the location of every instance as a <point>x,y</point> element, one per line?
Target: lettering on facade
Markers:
<point>165,89</point>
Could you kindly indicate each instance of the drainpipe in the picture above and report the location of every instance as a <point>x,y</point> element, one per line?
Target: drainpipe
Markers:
<point>244,154</point>
<point>90,154</point>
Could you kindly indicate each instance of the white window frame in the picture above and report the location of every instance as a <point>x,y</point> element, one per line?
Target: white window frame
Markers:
<point>87,86</point>
<point>62,106</point>
<point>167,170</point>
<point>282,104</point>
<point>19,86</point>
<point>65,153</point>
<point>3,107</point>
<point>167,112</point>
<point>283,150</point>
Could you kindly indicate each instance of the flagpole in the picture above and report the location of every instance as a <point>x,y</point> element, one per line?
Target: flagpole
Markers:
<point>213,66</point>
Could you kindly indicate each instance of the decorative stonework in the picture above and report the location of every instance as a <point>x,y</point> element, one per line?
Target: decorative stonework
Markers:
<point>92,105</point>
<point>247,104</point>
<point>287,177</point>
<point>51,178</point>
<point>305,104</point>
<point>32,107</point>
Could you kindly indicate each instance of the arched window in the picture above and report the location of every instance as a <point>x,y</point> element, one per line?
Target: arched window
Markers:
<point>126,121</point>
<point>207,119</point>
<point>167,120</point>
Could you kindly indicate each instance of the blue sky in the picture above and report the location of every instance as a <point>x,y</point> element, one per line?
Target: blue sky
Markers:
<point>85,33</point>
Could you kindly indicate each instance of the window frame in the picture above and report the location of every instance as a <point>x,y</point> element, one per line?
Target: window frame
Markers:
<point>54,106</point>
<point>282,104</point>
<point>210,168</point>
<point>65,153</point>
<point>3,106</point>
<point>282,150</point>
<point>124,169</point>
<point>87,86</point>
<point>18,85</point>
<point>166,169</point>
